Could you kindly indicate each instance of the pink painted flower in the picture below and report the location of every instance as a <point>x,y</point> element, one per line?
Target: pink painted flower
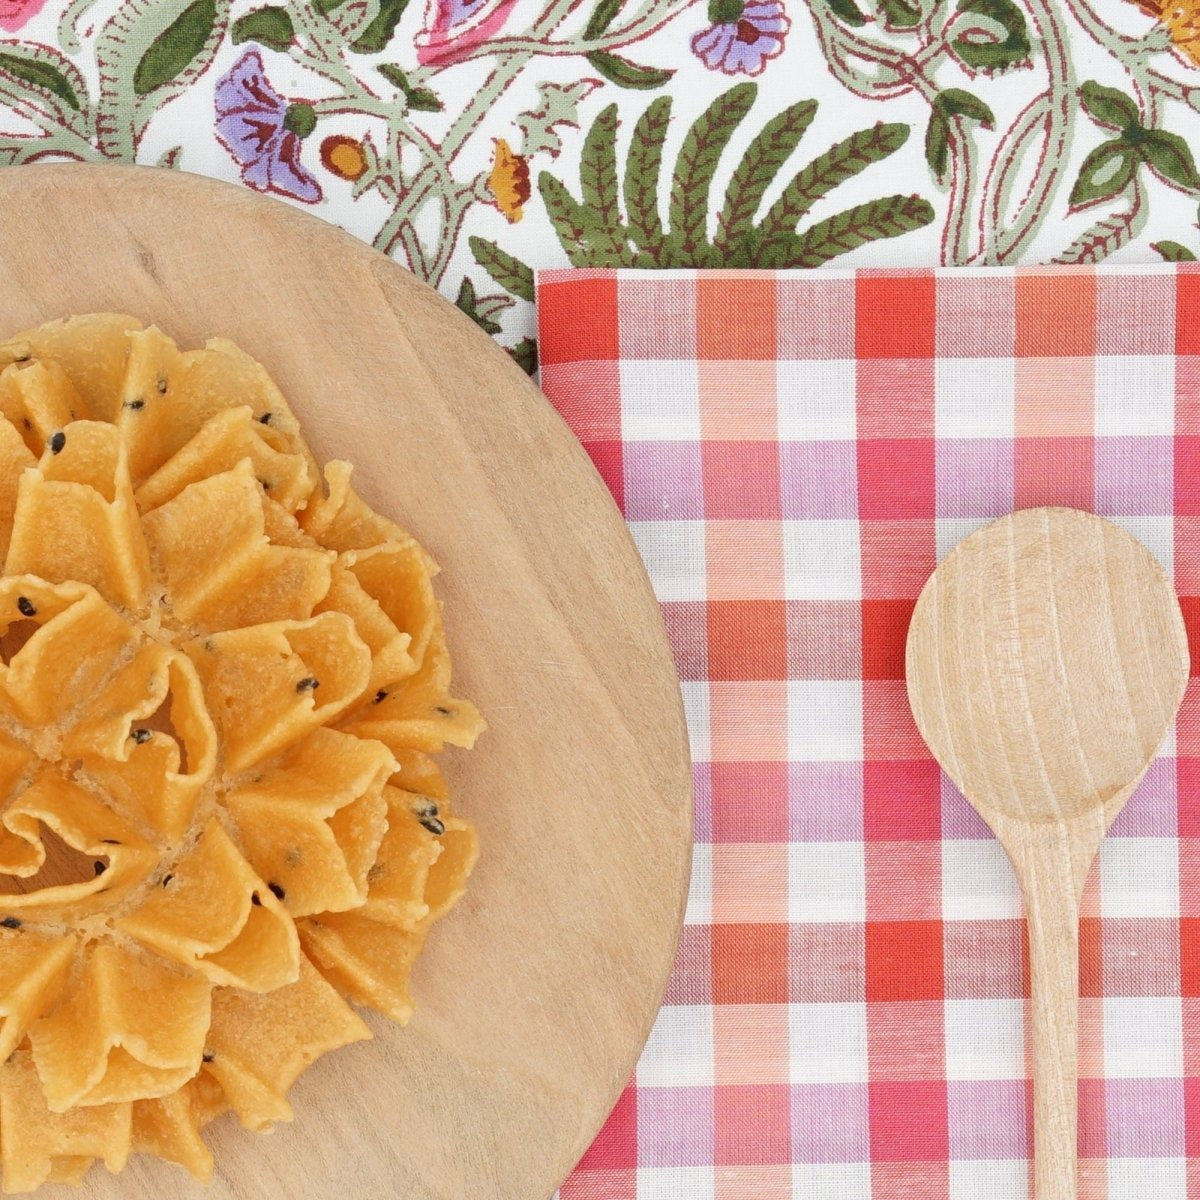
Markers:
<point>263,131</point>
<point>15,13</point>
<point>453,28</point>
<point>742,36</point>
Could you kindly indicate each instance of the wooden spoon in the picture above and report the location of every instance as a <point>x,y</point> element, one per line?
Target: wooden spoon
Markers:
<point>1046,660</point>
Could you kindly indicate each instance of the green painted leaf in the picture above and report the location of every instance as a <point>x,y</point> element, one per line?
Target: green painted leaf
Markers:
<point>173,50</point>
<point>887,217</point>
<point>1172,252</point>
<point>697,164</point>
<point>829,170</point>
<point>1106,172</point>
<point>846,10</point>
<point>418,99</point>
<point>643,171</point>
<point>271,27</point>
<point>378,33</point>
<point>558,105</point>
<point>725,12</point>
<point>1169,157</point>
<point>569,220</point>
<point>602,17</point>
<point>325,7</point>
<point>598,181</point>
<point>955,102</point>
<point>763,160</point>
<point>1105,237</point>
<point>901,14</point>
<point>467,301</point>
<point>423,100</point>
<point>937,142</point>
<point>509,272</point>
<point>149,52</point>
<point>1107,106</point>
<point>21,64</point>
<point>1004,45</point>
<point>524,354</point>
<point>627,74</point>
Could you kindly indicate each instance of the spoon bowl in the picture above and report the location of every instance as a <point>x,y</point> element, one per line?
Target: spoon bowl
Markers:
<point>1046,661</point>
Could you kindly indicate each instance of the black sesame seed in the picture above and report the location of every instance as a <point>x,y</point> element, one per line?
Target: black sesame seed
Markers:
<point>99,867</point>
<point>266,484</point>
<point>209,644</point>
<point>308,684</point>
<point>207,1056</point>
<point>167,879</point>
<point>255,898</point>
<point>11,923</point>
<point>57,442</point>
<point>26,606</point>
<point>141,735</point>
<point>380,695</point>
<point>277,891</point>
<point>135,404</point>
<point>109,842</point>
<point>161,384</point>
<point>433,825</point>
<point>265,419</point>
<point>444,710</point>
<point>22,358</point>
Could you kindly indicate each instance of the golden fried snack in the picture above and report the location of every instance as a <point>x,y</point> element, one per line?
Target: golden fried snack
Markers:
<point>222,680</point>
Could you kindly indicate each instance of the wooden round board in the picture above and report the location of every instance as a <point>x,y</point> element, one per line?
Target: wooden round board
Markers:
<point>536,994</point>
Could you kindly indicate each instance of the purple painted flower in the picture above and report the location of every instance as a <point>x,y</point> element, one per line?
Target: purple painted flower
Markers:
<point>742,35</point>
<point>263,131</point>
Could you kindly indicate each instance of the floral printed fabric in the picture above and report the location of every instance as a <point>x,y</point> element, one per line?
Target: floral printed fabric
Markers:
<point>477,140</point>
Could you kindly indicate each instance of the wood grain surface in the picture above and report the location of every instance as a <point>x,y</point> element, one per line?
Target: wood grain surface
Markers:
<point>536,994</point>
<point>1046,661</point>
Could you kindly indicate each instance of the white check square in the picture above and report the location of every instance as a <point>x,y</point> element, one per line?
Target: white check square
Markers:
<point>696,710</point>
<point>985,1039</point>
<point>989,1178</point>
<point>817,399</point>
<point>824,720</point>
<point>978,883</point>
<point>679,1051</point>
<point>675,1183</point>
<point>1145,1178</point>
<point>974,398</point>
<point>1143,1037</point>
<point>699,901</point>
<point>828,1043</point>
<point>660,400</point>
<point>831,1181</point>
<point>1139,877</point>
<point>826,882</point>
<point>822,560</point>
<point>674,554</point>
<point>1135,395</point>
<point>951,530</point>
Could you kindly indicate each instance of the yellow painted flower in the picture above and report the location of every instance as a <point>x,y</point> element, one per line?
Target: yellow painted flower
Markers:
<point>1181,19</point>
<point>509,181</point>
<point>344,157</point>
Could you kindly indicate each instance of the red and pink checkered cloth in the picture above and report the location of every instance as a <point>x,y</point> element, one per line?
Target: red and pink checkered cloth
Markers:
<point>847,1017</point>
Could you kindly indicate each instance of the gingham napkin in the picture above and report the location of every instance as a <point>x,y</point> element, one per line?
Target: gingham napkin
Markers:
<point>847,1018</point>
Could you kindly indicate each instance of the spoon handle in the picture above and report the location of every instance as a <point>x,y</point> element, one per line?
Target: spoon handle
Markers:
<point>1051,882</point>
